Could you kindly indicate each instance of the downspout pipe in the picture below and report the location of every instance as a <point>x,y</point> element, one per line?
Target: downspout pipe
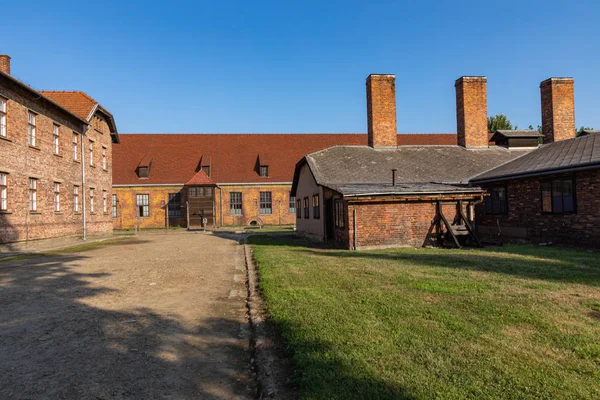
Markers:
<point>83,197</point>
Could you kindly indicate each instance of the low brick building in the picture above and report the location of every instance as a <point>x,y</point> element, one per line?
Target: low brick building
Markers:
<point>383,195</point>
<point>227,179</point>
<point>55,162</point>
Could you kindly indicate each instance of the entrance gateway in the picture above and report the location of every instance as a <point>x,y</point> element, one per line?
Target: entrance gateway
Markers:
<point>200,207</point>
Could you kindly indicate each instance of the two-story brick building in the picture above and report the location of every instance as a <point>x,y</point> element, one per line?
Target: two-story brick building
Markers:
<point>55,162</point>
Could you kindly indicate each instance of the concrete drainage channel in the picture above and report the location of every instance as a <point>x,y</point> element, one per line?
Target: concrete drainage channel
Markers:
<point>270,367</point>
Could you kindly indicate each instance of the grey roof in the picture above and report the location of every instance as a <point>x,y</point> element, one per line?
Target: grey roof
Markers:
<point>579,153</point>
<point>519,134</point>
<point>340,166</point>
<point>590,131</point>
<point>366,189</point>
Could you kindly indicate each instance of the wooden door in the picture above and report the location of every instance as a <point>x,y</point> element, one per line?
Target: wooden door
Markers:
<point>201,205</point>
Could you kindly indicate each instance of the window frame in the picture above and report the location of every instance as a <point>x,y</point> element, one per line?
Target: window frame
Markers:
<point>292,204</point>
<point>76,199</point>
<point>504,208</point>
<point>3,191</point>
<point>551,182</point>
<point>56,138</point>
<point>105,202</point>
<point>236,203</point>
<point>3,117</point>
<point>316,206</point>
<point>114,202</point>
<point>32,128</point>
<point>104,162</point>
<point>91,193</point>
<point>264,171</point>
<point>298,208</point>
<point>91,152</point>
<point>338,214</point>
<point>306,208</point>
<point>174,207</point>
<point>33,188</point>
<point>75,142</point>
<point>56,196</point>
<point>265,203</point>
<point>144,211</point>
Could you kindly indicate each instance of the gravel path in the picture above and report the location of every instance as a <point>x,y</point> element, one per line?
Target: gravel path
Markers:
<point>151,317</point>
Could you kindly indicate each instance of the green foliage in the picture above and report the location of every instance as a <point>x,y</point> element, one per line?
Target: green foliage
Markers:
<point>539,128</point>
<point>583,128</point>
<point>499,122</point>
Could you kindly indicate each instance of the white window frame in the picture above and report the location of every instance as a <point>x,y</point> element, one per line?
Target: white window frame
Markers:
<point>75,141</point>
<point>76,199</point>
<point>3,117</point>
<point>3,191</point>
<point>104,202</point>
<point>56,138</point>
<point>56,196</point>
<point>91,152</point>
<point>104,165</point>
<point>31,128</point>
<point>91,200</point>
<point>33,183</point>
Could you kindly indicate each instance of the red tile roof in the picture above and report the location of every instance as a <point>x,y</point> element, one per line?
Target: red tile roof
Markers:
<point>77,102</point>
<point>200,179</point>
<point>233,157</point>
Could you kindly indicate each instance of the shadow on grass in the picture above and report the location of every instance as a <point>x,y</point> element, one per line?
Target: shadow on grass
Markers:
<point>55,344</point>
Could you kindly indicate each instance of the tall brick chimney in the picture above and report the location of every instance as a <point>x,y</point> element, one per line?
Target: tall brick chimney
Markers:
<point>471,111</point>
<point>381,111</point>
<point>5,63</point>
<point>558,109</point>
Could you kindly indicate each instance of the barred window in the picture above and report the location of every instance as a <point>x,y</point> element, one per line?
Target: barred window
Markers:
<point>175,205</point>
<point>76,198</point>
<point>3,191</point>
<point>31,129</point>
<point>75,146</point>
<point>235,203</point>
<point>33,194</point>
<point>265,203</point>
<point>292,204</point>
<point>143,207</point>
<point>114,206</point>
<point>306,209</point>
<point>56,196</point>
<point>315,206</point>
<point>56,138</point>
<point>3,117</point>
<point>338,212</point>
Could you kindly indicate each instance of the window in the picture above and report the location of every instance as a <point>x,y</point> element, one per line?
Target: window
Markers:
<point>235,203</point>
<point>2,117</point>
<point>91,147</point>
<point>315,206</point>
<point>174,205</point>
<point>3,191</point>
<point>496,202</point>
<point>104,202</point>
<point>292,204</point>
<point>91,200</point>
<point>306,212</point>
<point>55,138</point>
<point>143,172</point>
<point>264,171</point>
<point>76,199</point>
<point>143,209</point>
<point>104,158</point>
<point>338,212</point>
<point>265,203</point>
<point>298,209</point>
<point>75,147</point>
<point>558,196</point>
<point>32,194</point>
<point>56,196</point>
<point>114,206</point>
<point>206,169</point>
<point>200,191</point>
<point>31,129</point>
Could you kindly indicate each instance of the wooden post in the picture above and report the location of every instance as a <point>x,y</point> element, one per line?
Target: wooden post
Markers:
<point>187,211</point>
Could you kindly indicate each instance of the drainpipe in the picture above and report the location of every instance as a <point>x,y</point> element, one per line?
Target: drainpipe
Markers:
<point>83,202</point>
<point>354,227</point>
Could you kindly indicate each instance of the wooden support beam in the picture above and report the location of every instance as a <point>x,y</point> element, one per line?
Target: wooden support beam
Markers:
<point>448,226</point>
<point>468,225</point>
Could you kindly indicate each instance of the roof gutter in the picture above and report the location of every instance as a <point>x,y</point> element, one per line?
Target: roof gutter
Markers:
<point>553,171</point>
<point>428,193</point>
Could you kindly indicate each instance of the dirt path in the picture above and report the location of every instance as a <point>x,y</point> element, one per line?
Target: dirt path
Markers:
<point>154,317</point>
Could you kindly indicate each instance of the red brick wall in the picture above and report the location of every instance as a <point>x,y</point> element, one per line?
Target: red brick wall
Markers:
<point>525,218</point>
<point>22,162</point>
<point>381,110</point>
<point>471,111</point>
<point>558,109</point>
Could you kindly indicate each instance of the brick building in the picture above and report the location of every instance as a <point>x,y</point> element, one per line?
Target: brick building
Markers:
<point>229,179</point>
<point>550,194</point>
<point>55,162</point>
<point>381,195</point>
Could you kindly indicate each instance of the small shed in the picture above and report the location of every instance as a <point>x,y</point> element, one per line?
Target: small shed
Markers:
<point>517,139</point>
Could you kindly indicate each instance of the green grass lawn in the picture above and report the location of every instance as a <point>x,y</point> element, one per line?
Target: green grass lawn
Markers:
<point>506,322</point>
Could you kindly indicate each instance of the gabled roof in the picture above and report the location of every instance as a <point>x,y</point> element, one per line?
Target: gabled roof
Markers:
<point>341,166</point>
<point>232,156</point>
<point>582,152</point>
<point>200,179</point>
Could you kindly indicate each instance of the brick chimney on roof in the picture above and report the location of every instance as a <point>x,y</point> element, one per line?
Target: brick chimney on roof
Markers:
<point>558,109</point>
<point>5,63</point>
<point>471,111</point>
<point>381,111</point>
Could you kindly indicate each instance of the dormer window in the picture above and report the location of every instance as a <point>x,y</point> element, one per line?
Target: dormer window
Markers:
<point>264,171</point>
<point>143,172</point>
<point>206,169</point>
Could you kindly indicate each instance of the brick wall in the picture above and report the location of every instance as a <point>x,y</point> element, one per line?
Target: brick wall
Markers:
<point>525,219</point>
<point>22,162</point>
<point>558,109</point>
<point>471,111</point>
<point>381,110</point>
<point>158,197</point>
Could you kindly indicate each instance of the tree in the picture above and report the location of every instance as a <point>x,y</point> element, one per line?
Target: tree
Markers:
<point>499,122</point>
<point>539,128</point>
<point>583,128</point>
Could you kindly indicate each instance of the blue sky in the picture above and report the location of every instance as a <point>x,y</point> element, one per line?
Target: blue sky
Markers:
<point>283,66</point>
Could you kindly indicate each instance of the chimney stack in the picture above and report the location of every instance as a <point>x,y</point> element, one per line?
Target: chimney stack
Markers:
<point>5,63</point>
<point>558,109</point>
<point>471,111</point>
<point>381,111</point>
